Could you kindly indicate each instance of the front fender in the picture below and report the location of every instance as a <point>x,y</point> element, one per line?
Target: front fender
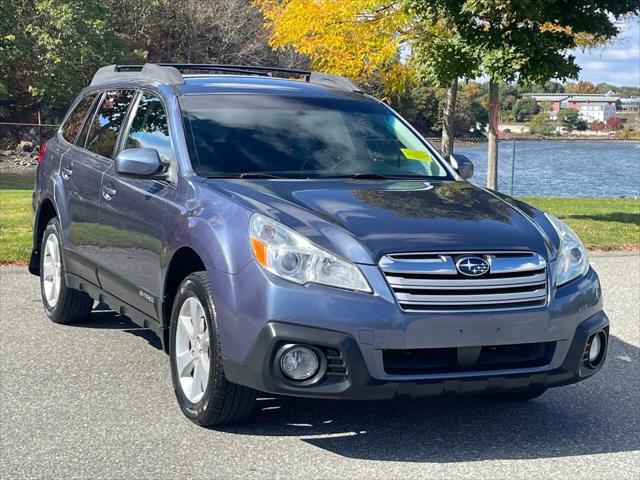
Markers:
<point>215,227</point>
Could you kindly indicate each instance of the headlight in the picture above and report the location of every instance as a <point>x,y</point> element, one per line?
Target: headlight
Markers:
<point>291,256</point>
<point>572,260</point>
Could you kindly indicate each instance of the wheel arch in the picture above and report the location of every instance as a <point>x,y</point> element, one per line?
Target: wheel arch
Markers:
<point>45,212</point>
<point>184,261</point>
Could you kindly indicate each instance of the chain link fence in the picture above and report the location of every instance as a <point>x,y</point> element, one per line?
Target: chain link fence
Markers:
<point>558,167</point>
<point>19,145</point>
<point>552,167</point>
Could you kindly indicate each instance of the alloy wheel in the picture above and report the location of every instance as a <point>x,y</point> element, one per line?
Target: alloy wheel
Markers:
<point>51,270</point>
<point>192,349</point>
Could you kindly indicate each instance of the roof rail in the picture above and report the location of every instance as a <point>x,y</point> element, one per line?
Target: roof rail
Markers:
<point>251,69</point>
<point>336,81</point>
<point>170,73</point>
<point>148,71</point>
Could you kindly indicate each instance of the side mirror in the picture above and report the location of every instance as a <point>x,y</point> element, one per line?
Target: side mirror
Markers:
<point>139,163</point>
<point>463,165</point>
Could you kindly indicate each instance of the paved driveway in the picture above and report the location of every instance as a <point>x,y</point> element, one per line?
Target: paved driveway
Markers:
<point>95,401</point>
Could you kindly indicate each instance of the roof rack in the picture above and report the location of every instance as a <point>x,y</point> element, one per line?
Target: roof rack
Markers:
<point>170,73</point>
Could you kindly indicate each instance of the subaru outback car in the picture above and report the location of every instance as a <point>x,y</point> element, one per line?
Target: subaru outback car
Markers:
<point>283,232</point>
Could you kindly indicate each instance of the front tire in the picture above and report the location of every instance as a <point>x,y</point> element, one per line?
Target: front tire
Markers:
<point>61,304</point>
<point>204,394</point>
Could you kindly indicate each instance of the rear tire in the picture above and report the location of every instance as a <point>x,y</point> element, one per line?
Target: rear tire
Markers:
<point>519,395</point>
<point>61,304</point>
<point>204,394</point>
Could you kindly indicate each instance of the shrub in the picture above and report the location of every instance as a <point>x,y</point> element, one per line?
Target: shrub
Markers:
<point>540,124</point>
<point>614,123</point>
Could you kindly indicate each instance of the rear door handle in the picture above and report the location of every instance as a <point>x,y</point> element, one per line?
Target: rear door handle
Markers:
<point>66,173</point>
<point>108,192</point>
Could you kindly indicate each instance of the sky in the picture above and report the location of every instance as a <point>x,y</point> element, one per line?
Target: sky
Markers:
<point>617,64</point>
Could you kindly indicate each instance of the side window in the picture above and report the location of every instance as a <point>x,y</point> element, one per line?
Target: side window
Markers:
<point>74,120</point>
<point>103,133</point>
<point>81,139</point>
<point>149,128</point>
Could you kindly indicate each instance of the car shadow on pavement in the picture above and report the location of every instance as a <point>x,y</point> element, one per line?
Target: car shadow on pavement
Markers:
<point>599,415</point>
<point>105,319</point>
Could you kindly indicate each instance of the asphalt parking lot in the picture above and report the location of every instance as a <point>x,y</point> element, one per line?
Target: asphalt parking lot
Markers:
<point>96,401</point>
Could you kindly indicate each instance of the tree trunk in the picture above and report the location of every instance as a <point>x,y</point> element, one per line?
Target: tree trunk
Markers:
<point>449,118</point>
<point>492,157</point>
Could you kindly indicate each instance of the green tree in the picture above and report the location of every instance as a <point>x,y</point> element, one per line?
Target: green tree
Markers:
<point>604,87</point>
<point>509,40</point>
<point>553,87</point>
<point>441,58</point>
<point>525,108</point>
<point>51,48</point>
<point>569,118</point>
<point>540,124</point>
<point>581,125</point>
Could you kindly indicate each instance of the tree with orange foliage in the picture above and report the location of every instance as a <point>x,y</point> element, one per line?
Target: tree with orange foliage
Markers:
<point>357,38</point>
<point>581,87</point>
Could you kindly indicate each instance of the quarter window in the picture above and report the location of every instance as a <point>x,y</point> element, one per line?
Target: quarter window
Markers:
<point>106,124</point>
<point>74,120</point>
<point>149,128</point>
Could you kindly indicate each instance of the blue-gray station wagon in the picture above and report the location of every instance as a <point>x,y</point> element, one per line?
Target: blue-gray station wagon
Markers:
<point>281,231</point>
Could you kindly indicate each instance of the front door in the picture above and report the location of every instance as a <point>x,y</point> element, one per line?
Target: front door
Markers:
<point>132,210</point>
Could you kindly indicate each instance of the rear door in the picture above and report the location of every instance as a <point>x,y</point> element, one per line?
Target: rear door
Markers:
<point>82,168</point>
<point>132,212</point>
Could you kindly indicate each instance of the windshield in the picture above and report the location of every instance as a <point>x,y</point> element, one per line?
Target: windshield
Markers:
<point>301,137</point>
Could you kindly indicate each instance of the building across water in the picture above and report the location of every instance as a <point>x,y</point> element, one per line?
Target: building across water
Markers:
<point>592,107</point>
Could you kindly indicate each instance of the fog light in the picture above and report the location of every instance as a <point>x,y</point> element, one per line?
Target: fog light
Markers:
<point>596,349</point>
<point>299,363</point>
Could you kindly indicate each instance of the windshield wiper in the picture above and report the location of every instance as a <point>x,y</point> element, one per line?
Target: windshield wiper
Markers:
<point>257,175</point>
<point>369,175</point>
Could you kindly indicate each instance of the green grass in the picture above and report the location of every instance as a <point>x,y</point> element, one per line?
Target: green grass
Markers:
<point>602,223</point>
<point>15,226</point>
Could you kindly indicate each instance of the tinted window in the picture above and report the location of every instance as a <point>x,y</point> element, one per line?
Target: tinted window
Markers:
<point>149,127</point>
<point>302,137</point>
<point>106,124</point>
<point>74,120</point>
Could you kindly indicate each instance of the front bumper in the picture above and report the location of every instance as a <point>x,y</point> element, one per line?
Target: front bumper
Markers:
<point>256,311</point>
<point>261,371</point>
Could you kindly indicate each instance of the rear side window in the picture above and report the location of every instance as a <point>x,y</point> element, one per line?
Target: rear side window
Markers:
<point>74,120</point>
<point>149,128</point>
<point>103,133</point>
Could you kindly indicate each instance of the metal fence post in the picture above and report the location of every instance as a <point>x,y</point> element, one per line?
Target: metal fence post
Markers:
<point>513,165</point>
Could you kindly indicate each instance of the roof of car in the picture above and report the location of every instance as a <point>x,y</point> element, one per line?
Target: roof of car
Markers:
<point>246,79</point>
<point>251,84</point>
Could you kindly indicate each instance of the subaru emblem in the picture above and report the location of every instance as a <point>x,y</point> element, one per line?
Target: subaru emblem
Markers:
<point>472,266</point>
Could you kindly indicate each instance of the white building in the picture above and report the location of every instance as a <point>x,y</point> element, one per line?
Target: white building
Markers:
<point>597,111</point>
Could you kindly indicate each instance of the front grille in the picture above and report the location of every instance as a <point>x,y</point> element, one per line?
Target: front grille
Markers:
<point>467,359</point>
<point>431,282</point>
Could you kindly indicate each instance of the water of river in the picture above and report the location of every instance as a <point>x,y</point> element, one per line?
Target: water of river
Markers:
<point>562,168</point>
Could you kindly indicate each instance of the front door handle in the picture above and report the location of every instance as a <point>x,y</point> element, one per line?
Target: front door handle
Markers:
<point>108,192</point>
<point>66,173</point>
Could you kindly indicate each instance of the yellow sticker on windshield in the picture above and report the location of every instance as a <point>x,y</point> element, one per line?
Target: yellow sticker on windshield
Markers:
<point>418,155</point>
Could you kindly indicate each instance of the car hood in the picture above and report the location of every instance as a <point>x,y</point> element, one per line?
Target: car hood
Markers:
<point>392,216</point>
